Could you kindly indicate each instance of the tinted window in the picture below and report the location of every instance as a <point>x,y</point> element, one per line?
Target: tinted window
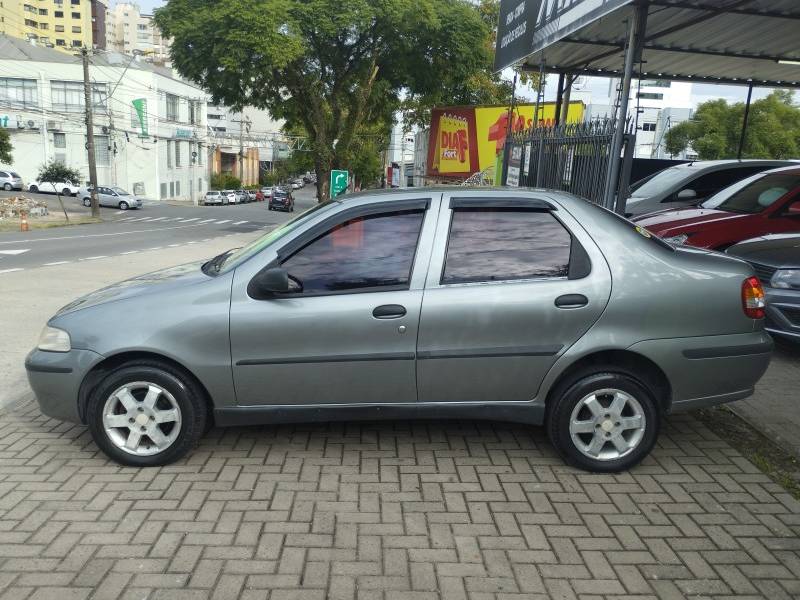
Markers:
<point>761,193</point>
<point>3,174</point>
<point>711,183</point>
<point>367,252</point>
<point>495,244</point>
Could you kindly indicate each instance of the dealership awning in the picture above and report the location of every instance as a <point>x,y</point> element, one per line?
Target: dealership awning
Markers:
<point>711,41</point>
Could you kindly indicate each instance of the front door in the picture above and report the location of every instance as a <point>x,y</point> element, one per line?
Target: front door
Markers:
<point>347,331</point>
<point>515,284</point>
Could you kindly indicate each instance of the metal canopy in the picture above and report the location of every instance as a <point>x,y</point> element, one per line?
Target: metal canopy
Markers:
<point>710,41</point>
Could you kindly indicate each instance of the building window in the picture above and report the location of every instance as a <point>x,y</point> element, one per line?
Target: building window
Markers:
<point>177,154</point>
<point>58,13</point>
<point>77,43</point>
<point>192,112</point>
<point>200,151</point>
<point>43,11</point>
<point>59,29</point>
<point>101,151</point>
<point>29,23</point>
<point>43,26</point>
<point>76,15</point>
<point>199,184</point>
<point>169,154</point>
<point>19,93</point>
<point>76,29</point>
<point>177,188</point>
<point>141,27</point>
<point>648,126</point>
<point>68,95</point>
<point>163,190</point>
<point>75,2</point>
<point>172,107</point>
<point>171,189</point>
<point>649,96</point>
<point>59,140</point>
<point>60,42</point>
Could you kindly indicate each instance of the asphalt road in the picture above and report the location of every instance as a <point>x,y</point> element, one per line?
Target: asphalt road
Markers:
<point>155,226</point>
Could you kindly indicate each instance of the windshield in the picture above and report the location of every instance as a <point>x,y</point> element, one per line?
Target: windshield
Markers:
<point>662,181</point>
<point>725,193</point>
<point>757,194</point>
<point>242,254</point>
<point>120,191</point>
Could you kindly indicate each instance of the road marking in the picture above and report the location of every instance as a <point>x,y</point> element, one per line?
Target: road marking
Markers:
<point>192,242</point>
<point>173,245</point>
<point>125,219</point>
<point>121,212</point>
<point>157,219</point>
<point>140,219</point>
<point>58,262</point>
<point>72,237</point>
<point>241,222</point>
<point>9,270</point>
<point>189,220</point>
<point>223,221</point>
<point>94,257</point>
<point>128,252</point>
<point>206,221</point>
<point>15,252</point>
<point>156,248</point>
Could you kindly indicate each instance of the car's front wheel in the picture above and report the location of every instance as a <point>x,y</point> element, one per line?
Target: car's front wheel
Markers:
<point>87,202</point>
<point>123,205</point>
<point>33,189</point>
<point>146,414</point>
<point>603,422</point>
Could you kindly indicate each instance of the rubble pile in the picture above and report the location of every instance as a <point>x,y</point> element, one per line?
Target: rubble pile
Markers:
<point>12,207</point>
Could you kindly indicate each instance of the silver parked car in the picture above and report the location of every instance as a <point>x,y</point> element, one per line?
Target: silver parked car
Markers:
<point>9,180</point>
<point>513,304</point>
<point>691,183</point>
<point>112,196</point>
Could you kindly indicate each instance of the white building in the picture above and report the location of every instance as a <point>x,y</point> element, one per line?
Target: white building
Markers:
<point>402,142</point>
<point>130,31</point>
<point>160,155</point>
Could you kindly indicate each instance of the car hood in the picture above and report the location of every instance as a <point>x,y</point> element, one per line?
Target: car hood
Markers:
<point>780,250</point>
<point>138,286</point>
<point>686,218</point>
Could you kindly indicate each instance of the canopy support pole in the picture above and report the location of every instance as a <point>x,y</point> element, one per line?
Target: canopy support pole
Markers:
<point>559,98</point>
<point>633,53</point>
<point>744,121</point>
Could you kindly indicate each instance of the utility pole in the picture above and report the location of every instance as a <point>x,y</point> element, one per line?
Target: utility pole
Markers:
<point>243,123</point>
<point>87,96</point>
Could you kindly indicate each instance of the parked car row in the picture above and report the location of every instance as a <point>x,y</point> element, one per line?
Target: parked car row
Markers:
<point>225,197</point>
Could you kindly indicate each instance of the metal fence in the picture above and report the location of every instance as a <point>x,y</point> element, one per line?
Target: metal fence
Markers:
<point>573,157</point>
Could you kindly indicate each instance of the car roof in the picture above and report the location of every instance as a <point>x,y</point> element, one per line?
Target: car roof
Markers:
<point>728,163</point>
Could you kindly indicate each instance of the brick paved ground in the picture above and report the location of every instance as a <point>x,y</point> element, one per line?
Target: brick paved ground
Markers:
<point>405,510</point>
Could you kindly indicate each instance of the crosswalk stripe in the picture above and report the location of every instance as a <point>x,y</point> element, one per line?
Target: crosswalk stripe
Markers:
<point>15,252</point>
<point>9,270</point>
<point>207,221</point>
<point>190,220</point>
<point>127,219</point>
<point>223,221</point>
<point>158,219</point>
<point>58,262</point>
<point>241,222</point>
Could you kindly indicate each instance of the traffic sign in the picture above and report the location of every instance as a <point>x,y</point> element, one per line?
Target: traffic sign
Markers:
<point>339,180</point>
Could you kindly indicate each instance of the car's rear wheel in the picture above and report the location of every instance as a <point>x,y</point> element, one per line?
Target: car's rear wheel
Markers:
<point>87,201</point>
<point>603,422</point>
<point>123,205</point>
<point>7,187</point>
<point>146,414</point>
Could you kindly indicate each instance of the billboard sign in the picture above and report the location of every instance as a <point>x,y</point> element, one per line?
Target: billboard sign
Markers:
<point>467,139</point>
<point>514,31</point>
<point>556,19</point>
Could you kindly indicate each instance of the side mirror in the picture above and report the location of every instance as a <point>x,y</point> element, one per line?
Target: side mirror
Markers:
<point>268,282</point>
<point>686,194</point>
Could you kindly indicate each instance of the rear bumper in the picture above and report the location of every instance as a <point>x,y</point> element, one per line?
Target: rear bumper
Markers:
<point>56,378</point>
<point>709,370</point>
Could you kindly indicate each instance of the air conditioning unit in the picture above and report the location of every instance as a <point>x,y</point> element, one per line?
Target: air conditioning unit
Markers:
<point>31,124</point>
<point>54,125</point>
<point>104,129</point>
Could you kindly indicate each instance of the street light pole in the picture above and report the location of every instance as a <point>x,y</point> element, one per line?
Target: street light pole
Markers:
<point>87,95</point>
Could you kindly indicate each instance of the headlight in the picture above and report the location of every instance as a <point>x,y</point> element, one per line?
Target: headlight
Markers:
<point>677,239</point>
<point>54,340</point>
<point>786,279</point>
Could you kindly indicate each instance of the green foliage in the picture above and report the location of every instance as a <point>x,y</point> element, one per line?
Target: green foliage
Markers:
<point>773,130</point>
<point>5,147</point>
<point>225,181</point>
<point>328,66</point>
<point>58,171</point>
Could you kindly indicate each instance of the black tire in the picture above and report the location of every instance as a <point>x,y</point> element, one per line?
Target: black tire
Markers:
<point>186,392</point>
<point>123,205</point>
<point>7,187</point>
<point>87,202</point>
<point>33,189</point>
<point>567,396</point>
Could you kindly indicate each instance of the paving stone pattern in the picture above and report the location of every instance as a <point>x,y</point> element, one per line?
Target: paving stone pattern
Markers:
<point>396,510</point>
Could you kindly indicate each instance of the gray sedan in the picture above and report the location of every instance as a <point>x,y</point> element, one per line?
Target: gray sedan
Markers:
<point>522,305</point>
<point>112,196</point>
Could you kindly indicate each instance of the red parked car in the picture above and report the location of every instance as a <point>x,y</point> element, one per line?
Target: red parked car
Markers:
<point>764,203</point>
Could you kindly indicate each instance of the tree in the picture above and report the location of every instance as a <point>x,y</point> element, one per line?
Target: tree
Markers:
<point>326,65</point>
<point>5,147</point>
<point>773,129</point>
<point>58,171</point>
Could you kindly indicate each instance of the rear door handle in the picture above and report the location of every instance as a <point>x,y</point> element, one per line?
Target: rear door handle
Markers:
<point>571,301</point>
<point>389,311</point>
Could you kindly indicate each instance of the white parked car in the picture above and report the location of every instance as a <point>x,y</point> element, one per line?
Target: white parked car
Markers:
<point>112,196</point>
<point>232,196</point>
<point>64,187</point>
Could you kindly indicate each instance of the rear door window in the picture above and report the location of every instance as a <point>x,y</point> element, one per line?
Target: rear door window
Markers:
<point>501,244</point>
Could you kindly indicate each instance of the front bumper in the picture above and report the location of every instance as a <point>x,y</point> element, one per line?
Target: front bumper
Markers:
<point>56,378</point>
<point>709,370</point>
<point>783,312</point>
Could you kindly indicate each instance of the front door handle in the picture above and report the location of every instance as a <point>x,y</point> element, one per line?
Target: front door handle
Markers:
<point>389,311</point>
<point>572,301</point>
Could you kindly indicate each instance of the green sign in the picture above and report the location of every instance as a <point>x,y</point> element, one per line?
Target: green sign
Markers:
<point>339,181</point>
<point>140,109</point>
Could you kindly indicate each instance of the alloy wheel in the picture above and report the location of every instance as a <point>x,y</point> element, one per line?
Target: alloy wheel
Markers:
<point>607,424</point>
<point>142,418</point>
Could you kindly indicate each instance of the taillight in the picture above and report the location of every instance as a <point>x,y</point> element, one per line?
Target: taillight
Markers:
<point>753,301</point>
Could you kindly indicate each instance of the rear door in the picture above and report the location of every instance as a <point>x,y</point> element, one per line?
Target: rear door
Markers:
<point>513,282</point>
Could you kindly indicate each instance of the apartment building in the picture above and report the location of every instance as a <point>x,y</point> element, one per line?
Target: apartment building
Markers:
<point>65,25</point>
<point>149,126</point>
<point>130,31</point>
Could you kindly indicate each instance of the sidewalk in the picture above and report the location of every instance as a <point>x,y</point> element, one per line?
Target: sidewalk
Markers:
<point>775,407</point>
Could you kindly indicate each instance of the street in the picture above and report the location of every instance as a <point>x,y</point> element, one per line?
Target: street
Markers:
<point>155,226</point>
